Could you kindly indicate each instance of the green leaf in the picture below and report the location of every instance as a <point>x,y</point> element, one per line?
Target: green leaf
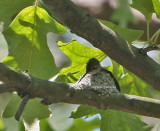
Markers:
<point>82,125</point>
<point>139,87</point>
<point>83,110</point>
<point>79,55</point>
<point>9,9</point>
<point>1,125</point>
<point>123,13</point>
<point>12,107</point>
<point>128,34</point>
<point>120,121</point>
<point>34,109</point>
<point>27,42</point>
<point>44,125</point>
<point>21,126</point>
<point>156,5</point>
<point>145,7</point>
<point>111,120</point>
<point>130,83</point>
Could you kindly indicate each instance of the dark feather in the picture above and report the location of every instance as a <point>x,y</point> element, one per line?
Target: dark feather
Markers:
<point>115,81</point>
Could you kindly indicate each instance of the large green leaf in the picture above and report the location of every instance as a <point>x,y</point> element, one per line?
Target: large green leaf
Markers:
<point>120,121</point>
<point>128,34</point>
<point>145,7</point>
<point>9,9</point>
<point>79,55</point>
<point>34,109</point>
<point>111,120</point>
<point>156,5</point>
<point>27,42</point>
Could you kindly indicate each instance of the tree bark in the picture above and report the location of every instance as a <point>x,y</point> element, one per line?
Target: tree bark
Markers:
<point>53,92</point>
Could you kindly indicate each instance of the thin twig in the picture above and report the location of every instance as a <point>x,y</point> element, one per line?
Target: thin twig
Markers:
<point>22,106</point>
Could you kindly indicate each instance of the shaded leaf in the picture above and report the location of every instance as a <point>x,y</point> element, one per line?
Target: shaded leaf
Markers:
<point>27,42</point>
<point>145,7</point>
<point>12,107</point>
<point>34,109</point>
<point>9,9</point>
<point>111,120</point>
<point>11,125</point>
<point>84,111</point>
<point>21,126</point>
<point>79,55</point>
<point>44,125</point>
<point>123,13</point>
<point>82,125</point>
<point>120,121</point>
<point>140,87</point>
<point>128,34</point>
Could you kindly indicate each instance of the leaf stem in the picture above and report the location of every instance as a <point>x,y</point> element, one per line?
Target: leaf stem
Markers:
<point>155,36</point>
<point>148,37</point>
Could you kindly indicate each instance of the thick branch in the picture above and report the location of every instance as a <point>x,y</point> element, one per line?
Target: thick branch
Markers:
<point>4,88</point>
<point>103,38</point>
<point>53,92</point>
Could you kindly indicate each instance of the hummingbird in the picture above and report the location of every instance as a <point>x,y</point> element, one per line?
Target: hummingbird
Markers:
<point>96,76</point>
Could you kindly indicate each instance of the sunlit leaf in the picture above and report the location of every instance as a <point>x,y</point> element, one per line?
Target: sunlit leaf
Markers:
<point>79,56</point>
<point>27,42</point>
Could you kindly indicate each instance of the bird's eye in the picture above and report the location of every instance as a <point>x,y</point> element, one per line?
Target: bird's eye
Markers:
<point>94,67</point>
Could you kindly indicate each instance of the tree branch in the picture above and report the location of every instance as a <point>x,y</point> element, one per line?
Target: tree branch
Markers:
<point>53,92</point>
<point>82,24</point>
<point>4,88</point>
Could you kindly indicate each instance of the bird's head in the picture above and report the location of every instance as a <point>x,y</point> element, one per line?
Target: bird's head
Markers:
<point>93,66</point>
